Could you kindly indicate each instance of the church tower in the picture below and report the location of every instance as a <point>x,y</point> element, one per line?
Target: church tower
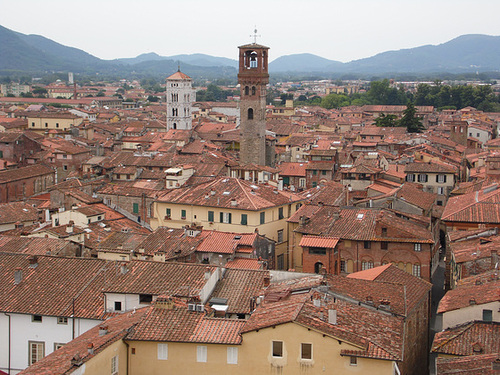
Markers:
<point>180,97</point>
<point>253,79</point>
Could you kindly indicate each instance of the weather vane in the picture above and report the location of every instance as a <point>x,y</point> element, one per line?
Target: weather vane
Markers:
<point>254,36</point>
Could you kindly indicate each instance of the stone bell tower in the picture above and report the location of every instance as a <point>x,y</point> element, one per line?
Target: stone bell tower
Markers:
<point>253,79</point>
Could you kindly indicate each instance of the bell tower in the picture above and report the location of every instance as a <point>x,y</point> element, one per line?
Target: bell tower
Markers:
<point>253,79</point>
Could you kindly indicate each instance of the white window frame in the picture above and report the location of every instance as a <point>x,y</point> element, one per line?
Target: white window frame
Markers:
<point>114,365</point>
<point>440,178</point>
<point>410,177</point>
<point>232,355</point>
<point>282,349</point>
<point>36,351</point>
<point>201,353</point>
<point>417,247</point>
<point>62,320</point>
<point>416,269</point>
<point>440,190</point>
<point>422,177</point>
<point>302,354</point>
<point>162,352</point>
<point>226,217</point>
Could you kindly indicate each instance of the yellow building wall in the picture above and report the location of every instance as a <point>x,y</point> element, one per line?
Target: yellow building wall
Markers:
<point>199,215</point>
<point>256,356</point>
<point>64,123</point>
<point>101,363</point>
<point>181,359</point>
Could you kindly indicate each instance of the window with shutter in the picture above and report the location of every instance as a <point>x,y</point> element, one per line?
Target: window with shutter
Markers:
<point>201,353</point>
<point>163,351</point>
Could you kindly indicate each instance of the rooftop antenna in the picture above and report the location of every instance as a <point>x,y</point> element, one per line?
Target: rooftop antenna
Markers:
<point>255,36</point>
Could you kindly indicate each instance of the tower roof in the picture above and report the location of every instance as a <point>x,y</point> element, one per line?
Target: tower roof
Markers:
<point>253,45</point>
<point>179,75</point>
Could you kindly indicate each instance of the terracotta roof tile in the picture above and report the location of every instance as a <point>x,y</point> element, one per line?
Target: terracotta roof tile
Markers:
<point>468,339</point>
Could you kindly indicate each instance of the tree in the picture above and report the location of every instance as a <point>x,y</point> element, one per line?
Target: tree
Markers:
<point>410,120</point>
<point>389,121</point>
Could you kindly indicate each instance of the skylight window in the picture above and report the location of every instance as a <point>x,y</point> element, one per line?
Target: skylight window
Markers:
<point>360,216</point>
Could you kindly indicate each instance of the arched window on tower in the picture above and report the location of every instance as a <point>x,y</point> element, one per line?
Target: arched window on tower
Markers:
<point>250,113</point>
<point>253,60</point>
<point>253,90</point>
<point>175,126</point>
<point>247,90</point>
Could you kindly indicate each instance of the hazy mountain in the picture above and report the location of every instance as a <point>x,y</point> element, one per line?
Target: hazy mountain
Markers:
<point>35,53</point>
<point>198,59</point>
<point>465,53</point>
<point>304,62</point>
<point>152,56</point>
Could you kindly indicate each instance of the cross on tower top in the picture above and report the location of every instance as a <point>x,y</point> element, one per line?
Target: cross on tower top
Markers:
<point>255,36</point>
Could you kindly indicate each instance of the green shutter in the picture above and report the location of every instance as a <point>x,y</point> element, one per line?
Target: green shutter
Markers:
<point>183,214</point>
<point>211,216</point>
<point>244,219</point>
<point>222,217</point>
<point>136,208</point>
<point>262,217</point>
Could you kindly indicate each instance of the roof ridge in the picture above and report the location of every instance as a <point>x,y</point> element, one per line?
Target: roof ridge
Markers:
<point>246,193</point>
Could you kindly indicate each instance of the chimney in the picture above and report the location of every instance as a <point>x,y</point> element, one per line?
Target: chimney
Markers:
<point>18,276</point>
<point>495,365</point>
<point>123,269</point>
<point>33,260</point>
<point>76,360</point>
<point>316,298</point>
<point>103,330</point>
<point>70,226</point>
<point>494,258</point>
<point>208,273</point>
<point>332,316</point>
<point>90,348</point>
<point>267,281</point>
<point>164,303</point>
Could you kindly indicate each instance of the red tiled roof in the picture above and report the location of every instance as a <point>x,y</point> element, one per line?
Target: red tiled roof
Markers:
<point>245,263</point>
<point>179,75</point>
<point>472,365</point>
<point>238,286</point>
<point>59,361</point>
<point>468,339</point>
<point>221,192</point>
<point>462,296</point>
<point>315,241</point>
<point>178,324</point>
<point>475,207</point>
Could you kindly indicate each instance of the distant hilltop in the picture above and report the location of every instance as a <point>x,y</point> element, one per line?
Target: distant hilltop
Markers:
<point>20,53</point>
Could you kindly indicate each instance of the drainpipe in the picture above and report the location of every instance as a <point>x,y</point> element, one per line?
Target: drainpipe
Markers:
<point>73,316</point>
<point>9,342</point>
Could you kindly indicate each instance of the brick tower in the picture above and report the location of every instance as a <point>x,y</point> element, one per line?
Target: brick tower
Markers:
<point>253,79</point>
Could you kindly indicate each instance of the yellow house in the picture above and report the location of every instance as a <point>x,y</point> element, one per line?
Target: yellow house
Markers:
<point>292,335</point>
<point>230,205</point>
<point>60,121</point>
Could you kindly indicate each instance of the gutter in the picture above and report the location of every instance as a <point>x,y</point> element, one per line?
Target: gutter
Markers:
<point>9,350</point>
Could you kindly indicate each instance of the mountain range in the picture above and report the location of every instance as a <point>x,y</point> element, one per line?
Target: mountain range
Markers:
<point>21,53</point>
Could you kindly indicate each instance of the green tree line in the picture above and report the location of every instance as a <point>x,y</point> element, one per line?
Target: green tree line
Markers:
<point>440,96</point>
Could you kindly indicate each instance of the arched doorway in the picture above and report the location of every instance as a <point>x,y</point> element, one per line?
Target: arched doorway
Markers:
<point>318,267</point>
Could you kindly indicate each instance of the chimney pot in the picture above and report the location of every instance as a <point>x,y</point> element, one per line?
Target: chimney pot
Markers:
<point>267,280</point>
<point>90,348</point>
<point>332,316</point>
<point>18,275</point>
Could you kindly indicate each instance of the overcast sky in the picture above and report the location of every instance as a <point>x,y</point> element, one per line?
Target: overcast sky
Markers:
<point>341,30</point>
